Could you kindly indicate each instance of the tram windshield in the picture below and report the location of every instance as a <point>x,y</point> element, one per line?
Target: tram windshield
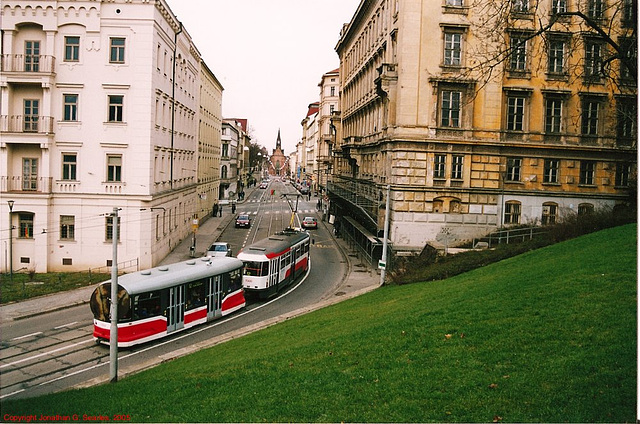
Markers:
<point>256,268</point>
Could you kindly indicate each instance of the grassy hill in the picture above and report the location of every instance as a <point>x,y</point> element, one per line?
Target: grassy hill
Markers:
<point>546,336</point>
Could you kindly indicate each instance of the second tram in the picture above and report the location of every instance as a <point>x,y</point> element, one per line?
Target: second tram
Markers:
<point>159,301</point>
<point>275,262</point>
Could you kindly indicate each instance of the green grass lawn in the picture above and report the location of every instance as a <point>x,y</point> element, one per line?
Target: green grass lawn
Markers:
<point>548,336</point>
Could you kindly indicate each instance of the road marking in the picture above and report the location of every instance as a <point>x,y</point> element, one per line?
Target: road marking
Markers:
<point>65,325</point>
<point>28,335</point>
<point>44,354</point>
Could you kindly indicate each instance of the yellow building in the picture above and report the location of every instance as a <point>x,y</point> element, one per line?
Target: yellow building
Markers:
<point>482,116</point>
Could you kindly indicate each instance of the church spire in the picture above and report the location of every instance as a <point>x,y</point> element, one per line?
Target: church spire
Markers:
<point>278,141</point>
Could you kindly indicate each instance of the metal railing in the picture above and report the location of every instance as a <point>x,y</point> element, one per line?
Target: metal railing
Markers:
<point>506,236</point>
<point>363,194</point>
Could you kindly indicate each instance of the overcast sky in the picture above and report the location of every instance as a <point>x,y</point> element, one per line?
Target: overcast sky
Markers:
<point>269,56</point>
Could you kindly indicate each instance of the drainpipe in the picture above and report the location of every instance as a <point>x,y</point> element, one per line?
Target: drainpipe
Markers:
<point>173,101</point>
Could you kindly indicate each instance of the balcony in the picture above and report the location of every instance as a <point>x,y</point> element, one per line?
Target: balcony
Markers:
<point>16,184</point>
<point>32,124</point>
<point>27,65</point>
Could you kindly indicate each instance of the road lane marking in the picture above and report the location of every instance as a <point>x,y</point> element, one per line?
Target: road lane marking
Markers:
<point>28,335</point>
<point>65,325</point>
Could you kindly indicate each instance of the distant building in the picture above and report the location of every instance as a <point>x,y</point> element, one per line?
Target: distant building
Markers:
<point>278,163</point>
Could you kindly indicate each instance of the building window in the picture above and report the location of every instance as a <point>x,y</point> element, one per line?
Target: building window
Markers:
<point>551,169</point>
<point>457,167</point>
<point>593,60</point>
<point>629,56</point>
<point>585,208</point>
<point>520,6</point>
<point>225,150</point>
<point>622,174</point>
<point>556,57</point>
<point>29,174</point>
<point>109,228</point>
<point>626,129</point>
<point>514,169</point>
<point>116,50</point>
<point>70,107</point>
<point>67,227</point>
<point>553,115</point>
<point>332,91</point>
<point>25,223</point>
<point>71,49</point>
<point>558,6</point>
<point>450,109</point>
<point>31,115</point>
<point>596,9</point>
<point>116,105</point>
<point>587,172</point>
<point>549,213</point>
<point>69,165</point>
<point>32,56</point>
<point>629,13</point>
<point>114,168</point>
<point>454,3</point>
<point>512,212</point>
<point>518,59</point>
<point>439,166</point>
<point>515,113</point>
<point>453,49</point>
<point>590,117</point>
<point>223,172</point>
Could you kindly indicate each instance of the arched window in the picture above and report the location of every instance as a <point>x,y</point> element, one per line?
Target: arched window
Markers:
<point>512,212</point>
<point>549,213</point>
<point>585,208</point>
<point>223,172</point>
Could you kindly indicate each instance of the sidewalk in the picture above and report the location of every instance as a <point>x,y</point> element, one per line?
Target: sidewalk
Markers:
<point>357,280</point>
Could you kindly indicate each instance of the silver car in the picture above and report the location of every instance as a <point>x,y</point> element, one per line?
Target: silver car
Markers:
<point>219,248</point>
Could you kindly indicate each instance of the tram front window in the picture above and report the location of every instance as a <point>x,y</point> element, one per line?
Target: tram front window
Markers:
<point>256,269</point>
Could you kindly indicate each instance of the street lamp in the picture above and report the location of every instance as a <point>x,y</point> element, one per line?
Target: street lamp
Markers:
<point>10,203</point>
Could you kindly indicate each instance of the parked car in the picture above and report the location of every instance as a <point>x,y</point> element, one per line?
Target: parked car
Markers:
<point>309,222</point>
<point>243,220</point>
<point>264,185</point>
<point>219,248</point>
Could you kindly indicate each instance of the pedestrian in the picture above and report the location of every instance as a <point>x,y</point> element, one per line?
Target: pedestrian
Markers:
<point>220,210</point>
<point>215,209</point>
<point>233,208</point>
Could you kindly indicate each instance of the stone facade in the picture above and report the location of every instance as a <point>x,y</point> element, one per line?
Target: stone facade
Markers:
<point>470,146</point>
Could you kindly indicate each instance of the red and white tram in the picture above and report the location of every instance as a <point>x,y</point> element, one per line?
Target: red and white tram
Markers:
<point>275,262</point>
<point>159,301</point>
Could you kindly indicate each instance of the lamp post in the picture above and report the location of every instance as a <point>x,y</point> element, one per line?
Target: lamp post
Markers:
<point>10,203</point>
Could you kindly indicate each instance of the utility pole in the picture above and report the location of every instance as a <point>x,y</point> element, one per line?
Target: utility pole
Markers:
<point>113,332</point>
<point>383,265</point>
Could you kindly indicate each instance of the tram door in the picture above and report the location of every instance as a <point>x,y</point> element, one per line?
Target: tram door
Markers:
<point>175,311</point>
<point>274,275</point>
<point>214,293</point>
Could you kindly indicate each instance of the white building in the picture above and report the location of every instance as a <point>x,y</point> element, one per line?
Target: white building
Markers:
<point>91,120</point>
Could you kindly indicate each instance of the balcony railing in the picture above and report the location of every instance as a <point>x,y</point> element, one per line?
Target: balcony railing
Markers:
<point>25,185</point>
<point>26,124</point>
<point>21,63</point>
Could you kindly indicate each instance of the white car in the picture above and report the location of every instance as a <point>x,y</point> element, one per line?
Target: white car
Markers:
<point>218,249</point>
